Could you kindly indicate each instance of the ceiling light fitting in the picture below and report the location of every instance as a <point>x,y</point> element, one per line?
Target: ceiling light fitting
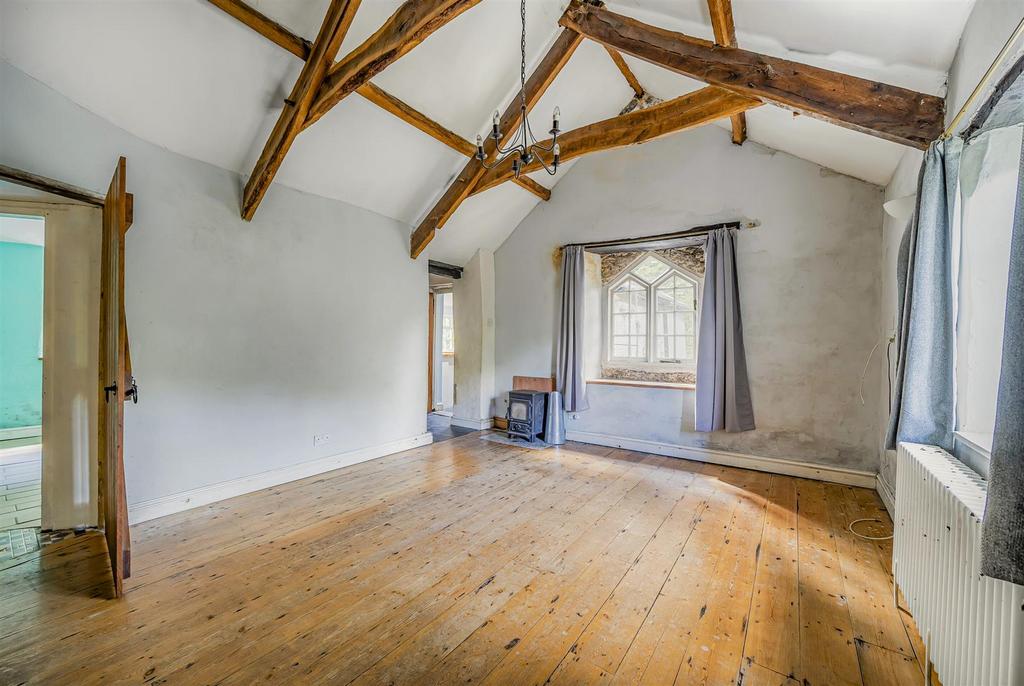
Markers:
<point>523,147</point>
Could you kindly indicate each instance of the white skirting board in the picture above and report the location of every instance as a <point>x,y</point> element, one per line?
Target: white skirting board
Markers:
<point>775,465</point>
<point>478,424</point>
<point>888,495</point>
<point>204,495</point>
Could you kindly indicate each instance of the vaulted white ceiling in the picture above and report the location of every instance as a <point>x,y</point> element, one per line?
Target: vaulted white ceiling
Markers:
<point>194,80</point>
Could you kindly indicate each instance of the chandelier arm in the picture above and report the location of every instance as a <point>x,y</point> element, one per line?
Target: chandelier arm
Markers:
<point>514,145</point>
<point>537,145</point>
<point>550,170</point>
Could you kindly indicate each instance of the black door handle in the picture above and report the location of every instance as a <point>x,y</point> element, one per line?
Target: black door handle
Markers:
<point>107,390</point>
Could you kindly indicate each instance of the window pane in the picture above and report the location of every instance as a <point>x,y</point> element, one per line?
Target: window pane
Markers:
<point>638,347</point>
<point>688,347</point>
<point>638,324</point>
<point>684,298</point>
<point>620,301</point>
<point>664,351</point>
<point>620,324</point>
<point>638,301</point>
<point>650,269</point>
<point>684,323</point>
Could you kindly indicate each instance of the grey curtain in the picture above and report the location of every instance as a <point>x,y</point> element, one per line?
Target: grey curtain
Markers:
<point>569,371</point>
<point>924,390</point>
<point>1002,538</point>
<point>723,390</point>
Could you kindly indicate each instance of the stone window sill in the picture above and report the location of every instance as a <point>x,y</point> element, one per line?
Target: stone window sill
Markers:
<point>643,384</point>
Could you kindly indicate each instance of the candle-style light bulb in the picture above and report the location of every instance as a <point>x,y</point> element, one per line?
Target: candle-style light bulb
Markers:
<point>555,116</point>
<point>495,134</point>
<point>558,151</point>
<point>479,147</point>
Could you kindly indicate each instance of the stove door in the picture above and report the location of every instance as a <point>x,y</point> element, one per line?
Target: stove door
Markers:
<point>518,410</point>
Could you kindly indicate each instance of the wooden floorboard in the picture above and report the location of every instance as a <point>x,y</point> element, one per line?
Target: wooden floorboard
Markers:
<point>472,562</point>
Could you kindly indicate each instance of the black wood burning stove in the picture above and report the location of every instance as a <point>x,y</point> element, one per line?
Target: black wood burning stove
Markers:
<point>525,414</point>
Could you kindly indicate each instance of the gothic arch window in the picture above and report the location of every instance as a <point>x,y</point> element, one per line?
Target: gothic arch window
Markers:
<point>651,316</point>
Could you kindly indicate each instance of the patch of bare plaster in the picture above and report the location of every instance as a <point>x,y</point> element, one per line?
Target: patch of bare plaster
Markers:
<point>796,445</point>
<point>689,258</point>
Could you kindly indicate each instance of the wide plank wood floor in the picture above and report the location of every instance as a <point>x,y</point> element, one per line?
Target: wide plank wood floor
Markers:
<point>475,562</point>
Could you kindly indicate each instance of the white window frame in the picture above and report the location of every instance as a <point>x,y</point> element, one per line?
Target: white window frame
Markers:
<point>651,363</point>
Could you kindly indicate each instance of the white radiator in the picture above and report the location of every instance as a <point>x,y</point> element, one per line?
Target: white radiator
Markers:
<point>973,626</point>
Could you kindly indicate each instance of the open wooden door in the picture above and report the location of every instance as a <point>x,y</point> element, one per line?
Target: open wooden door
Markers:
<point>114,385</point>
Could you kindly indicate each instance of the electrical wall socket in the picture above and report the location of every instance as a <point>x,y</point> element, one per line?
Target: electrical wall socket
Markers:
<point>320,439</point>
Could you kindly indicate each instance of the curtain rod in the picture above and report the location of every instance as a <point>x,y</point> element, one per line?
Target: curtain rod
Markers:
<point>687,233</point>
<point>1017,32</point>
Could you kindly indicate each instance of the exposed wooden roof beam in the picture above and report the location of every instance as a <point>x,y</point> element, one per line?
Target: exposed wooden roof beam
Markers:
<point>378,96</point>
<point>403,31</point>
<point>722,23</point>
<point>296,108</point>
<point>557,56</point>
<point>725,34</point>
<point>421,121</point>
<point>529,184</point>
<point>889,112</point>
<point>430,127</point>
<point>630,77</point>
<point>42,183</point>
<point>685,112</point>
<point>264,25</point>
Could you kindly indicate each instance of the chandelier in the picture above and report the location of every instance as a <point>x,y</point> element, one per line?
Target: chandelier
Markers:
<point>523,147</point>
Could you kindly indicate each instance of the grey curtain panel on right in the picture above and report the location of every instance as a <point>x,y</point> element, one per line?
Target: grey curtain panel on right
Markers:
<point>924,392</point>
<point>723,389</point>
<point>1002,534</point>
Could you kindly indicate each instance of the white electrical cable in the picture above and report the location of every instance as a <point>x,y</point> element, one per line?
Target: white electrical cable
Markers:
<point>870,538</point>
<point>864,373</point>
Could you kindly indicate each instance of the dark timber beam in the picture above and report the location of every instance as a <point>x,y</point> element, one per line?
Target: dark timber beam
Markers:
<point>413,22</point>
<point>42,183</point>
<point>300,47</point>
<point>557,56</point>
<point>296,108</point>
<point>265,26</point>
<point>388,102</point>
<point>686,112</point>
<point>895,114</point>
<point>444,269</point>
<point>626,72</point>
<point>529,184</point>
<point>725,35</point>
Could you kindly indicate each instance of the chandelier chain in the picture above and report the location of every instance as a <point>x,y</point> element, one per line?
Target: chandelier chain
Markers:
<point>522,53</point>
<point>522,145</point>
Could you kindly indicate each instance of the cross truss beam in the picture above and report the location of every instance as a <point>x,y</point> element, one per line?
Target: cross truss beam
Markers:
<point>555,58</point>
<point>296,108</point>
<point>300,47</point>
<point>889,112</point>
<point>413,22</point>
<point>404,30</point>
<point>685,112</point>
<point>725,34</point>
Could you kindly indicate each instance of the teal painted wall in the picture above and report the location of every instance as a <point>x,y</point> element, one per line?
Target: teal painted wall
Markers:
<point>21,323</point>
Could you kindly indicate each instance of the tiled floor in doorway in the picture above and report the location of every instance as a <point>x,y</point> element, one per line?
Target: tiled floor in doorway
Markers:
<point>20,475</point>
<point>440,427</point>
